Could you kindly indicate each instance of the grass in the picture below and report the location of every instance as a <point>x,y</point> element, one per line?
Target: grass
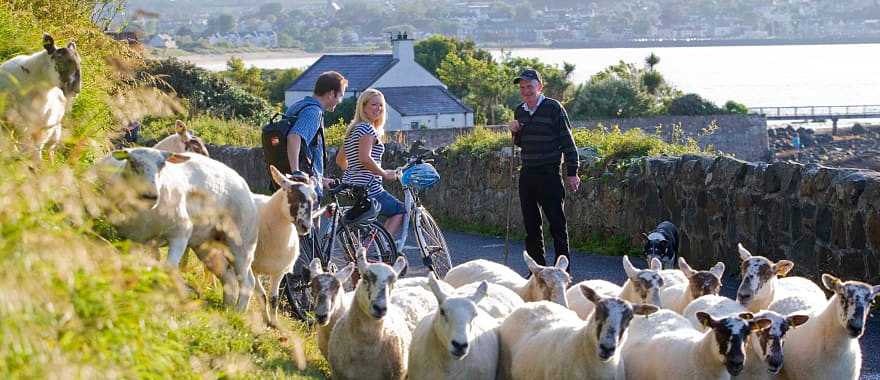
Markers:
<point>212,130</point>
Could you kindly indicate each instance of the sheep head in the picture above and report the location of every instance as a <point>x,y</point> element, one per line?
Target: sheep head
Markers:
<point>452,324</point>
<point>188,141</point>
<point>701,283</point>
<point>610,320</point>
<point>731,334</point>
<point>302,200</point>
<point>647,282</point>
<point>377,280</point>
<point>547,282</point>
<point>66,64</point>
<point>326,287</point>
<point>771,339</point>
<point>853,302</point>
<point>143,166</point>
<point>758,276</point>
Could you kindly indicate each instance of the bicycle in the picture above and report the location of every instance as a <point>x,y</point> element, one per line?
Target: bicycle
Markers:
<point>321,243</point>
<point>429,238</point>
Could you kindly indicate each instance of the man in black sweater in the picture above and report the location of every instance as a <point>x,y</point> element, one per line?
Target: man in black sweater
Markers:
<point>541,128</point>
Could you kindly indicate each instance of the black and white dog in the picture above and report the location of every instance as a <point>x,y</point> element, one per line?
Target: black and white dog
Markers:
<point>662,243</point>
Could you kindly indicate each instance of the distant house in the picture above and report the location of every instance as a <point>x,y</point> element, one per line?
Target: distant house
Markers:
<point>162,41</point>
<point>416,99</point>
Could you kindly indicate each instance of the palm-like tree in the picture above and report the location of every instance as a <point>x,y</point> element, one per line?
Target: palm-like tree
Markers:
<point>652,60</point>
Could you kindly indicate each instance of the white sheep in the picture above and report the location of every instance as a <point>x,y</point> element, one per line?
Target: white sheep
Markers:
<point>41,88</point>
<point>371,340</point>
<point>415,302</point>
<point>498,303</point>
<point>182,140</point>
<point>641,286</point>
<point>665,346</point>
<point>546,283</point>
<point>194,201</point>
<point>761,284</point>
<point>546,341</point>
<point>331,299</point>
<point>700,283</point>
<point>283,218</point>
<point>764,348</point>
<point>827,346</point>
<point>458,340</point>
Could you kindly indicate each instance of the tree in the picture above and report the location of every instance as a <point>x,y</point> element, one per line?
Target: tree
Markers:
<point>483,85</point>
<point>609,98</point>
<point>652,60</point>
<point>652,80</point>
<point>691,105</point>
<point>223,23</point>
<point>270,9</point>
<point>344,110</point>
<point>556,80</point>
<point>431,51</point>
<point>277,81</point>
<point>734,107</point>
<point>247,78</point>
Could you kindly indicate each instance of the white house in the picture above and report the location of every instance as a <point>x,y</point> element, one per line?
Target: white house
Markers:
<point>162,41</point>
<point>416,98</point>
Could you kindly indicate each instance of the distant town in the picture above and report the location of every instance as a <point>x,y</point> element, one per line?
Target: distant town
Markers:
<point>192,25</point>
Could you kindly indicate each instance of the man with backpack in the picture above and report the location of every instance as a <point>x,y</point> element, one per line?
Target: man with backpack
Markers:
<point>307,131</point>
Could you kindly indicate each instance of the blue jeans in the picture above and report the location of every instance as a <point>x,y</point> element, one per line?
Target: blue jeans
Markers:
<point>389,205</point>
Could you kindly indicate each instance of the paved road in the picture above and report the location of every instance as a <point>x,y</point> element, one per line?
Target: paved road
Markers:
<point>467,247</point>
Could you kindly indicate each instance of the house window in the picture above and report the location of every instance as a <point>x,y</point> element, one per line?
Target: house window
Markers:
<point>414,125</point>
<point>453,119</point>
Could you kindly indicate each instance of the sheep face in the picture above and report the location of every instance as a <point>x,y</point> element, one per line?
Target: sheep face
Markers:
<point>770,340</point>
<point>647,282</point>
<point>548,282</point>
<point>853,302</point>
<point>611,318</point>
<point>66,62</point>
<point>758,274</point>
<point>302,200</point>
<point>143,166</point>
<point>701,283</point>
<point>452,324</point>
<point>731,334</point>
<point>377,281</point>
<point>326,288</point>
<point>188,141</point>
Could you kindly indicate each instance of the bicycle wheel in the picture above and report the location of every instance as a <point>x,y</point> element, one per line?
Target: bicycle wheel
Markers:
<point>380,246</point>
<point>296,286</point>
<point>432,244</point>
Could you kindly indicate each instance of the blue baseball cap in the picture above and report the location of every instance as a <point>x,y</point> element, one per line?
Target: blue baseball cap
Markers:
<point>528,74</point>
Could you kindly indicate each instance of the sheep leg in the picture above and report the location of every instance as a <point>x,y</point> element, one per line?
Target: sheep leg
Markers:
<point>244,257</point>
<point>177,247</point>
<point>274,284</point>
<point>262,292</point>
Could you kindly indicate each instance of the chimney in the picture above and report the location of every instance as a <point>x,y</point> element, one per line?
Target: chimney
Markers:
<point>402,47</point>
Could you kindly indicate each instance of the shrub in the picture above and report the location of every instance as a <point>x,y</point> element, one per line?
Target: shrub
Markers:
<point>479,142</point>
<point>691,105</point>
<point>212,130</point>
<point>610,98</point>
<point>615,145</point>
<point>735,108</point>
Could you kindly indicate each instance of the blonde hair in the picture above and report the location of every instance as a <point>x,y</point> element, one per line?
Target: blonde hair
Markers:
<point>360,115</point>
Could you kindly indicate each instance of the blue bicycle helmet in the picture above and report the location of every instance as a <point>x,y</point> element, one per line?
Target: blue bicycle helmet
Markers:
<point>420,176</point>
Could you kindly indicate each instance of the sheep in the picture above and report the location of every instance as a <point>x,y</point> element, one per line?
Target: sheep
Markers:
<point>42,87</point>
<point>546,283</point>
<point>827,346</point>
<point>458,340</point>
<point>415,302</point>
<point>283,218</point>
<point>761,284</point>
<point>764,347</point>
<point>546,341</point>
<point>199,203</point>
<point>182,140</point>
<point>331,300</point>
<point>371,340</point>
<point>700,283</point>
<point>642,286</point>
<point>666,346</point>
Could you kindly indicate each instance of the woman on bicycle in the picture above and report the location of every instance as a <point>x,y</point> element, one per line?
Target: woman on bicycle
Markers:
<point>361,157</point>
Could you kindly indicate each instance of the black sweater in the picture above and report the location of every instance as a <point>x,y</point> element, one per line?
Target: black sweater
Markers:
<point>545,137</point>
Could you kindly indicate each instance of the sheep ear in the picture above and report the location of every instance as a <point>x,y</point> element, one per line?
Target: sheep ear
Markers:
<point>279,178</point>
<point>831,283</point>
<point>436,288</point>
<point>48,43</point>
<point>362,260</point>
<point>120,155</point>
<point>631,271</point>
<point>590,294</point>
<point>744,253</point>
<point>344,274</point>
<point>760,324</point>
<point>705,319</point>
<point>481,292</point>
<point>399,265</point>
<point>315,267</point>
<point>645,309</point>
<point>180,128</point>
<point>797,319</point>
<point>782,267</point>
<point>533,266</point>
<point>562,262</point>
<point>656,264</point>
<point>685,268</point>
<point>175,158</point>
<point>718,270</point>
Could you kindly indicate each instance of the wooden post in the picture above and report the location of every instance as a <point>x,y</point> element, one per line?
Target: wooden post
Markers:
<point>834,126</point>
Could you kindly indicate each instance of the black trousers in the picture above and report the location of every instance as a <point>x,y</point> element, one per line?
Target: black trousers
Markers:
<point>542,191</point>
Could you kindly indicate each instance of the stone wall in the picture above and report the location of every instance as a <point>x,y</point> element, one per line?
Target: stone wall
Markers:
<point>248,162</point>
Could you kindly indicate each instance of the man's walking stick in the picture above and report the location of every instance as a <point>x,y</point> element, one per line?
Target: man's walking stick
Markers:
<point>509,198</point>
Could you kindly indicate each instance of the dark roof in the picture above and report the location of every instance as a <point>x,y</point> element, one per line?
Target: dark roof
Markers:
<point>423,100</point>
<point>361,70</point>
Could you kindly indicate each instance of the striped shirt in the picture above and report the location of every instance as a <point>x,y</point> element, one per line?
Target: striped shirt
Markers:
<point>357,173</point>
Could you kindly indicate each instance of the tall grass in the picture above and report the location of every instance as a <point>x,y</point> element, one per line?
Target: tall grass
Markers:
<point>212,130</point>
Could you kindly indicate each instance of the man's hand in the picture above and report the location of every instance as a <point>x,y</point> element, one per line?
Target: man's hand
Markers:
<point>328,182</point>
<point>514,126</point>
<point>574,183</point>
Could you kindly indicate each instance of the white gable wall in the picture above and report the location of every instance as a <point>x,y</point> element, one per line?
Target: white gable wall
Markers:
<point>291,97</point>
<point>438,121</point>
<point>407,74</point>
